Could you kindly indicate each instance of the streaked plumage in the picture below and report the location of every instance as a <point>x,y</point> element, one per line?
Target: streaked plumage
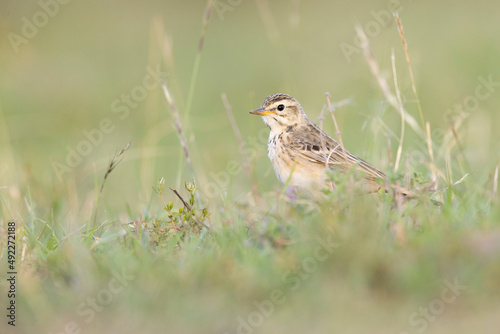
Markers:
<point>300,150</point>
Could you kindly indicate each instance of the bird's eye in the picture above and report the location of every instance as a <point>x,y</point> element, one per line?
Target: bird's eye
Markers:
<point>281,107</point>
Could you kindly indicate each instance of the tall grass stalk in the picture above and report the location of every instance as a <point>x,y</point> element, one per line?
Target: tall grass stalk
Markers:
<point>197,60</point>
<point>339,135</point>
<point>400,104</point>
<point>382,82</point>
<point>180,131</point>
<point>412,78</point>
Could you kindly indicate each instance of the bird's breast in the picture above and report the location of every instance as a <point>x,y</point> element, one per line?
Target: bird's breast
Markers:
<point>288,166</point>
<point>272,146</point>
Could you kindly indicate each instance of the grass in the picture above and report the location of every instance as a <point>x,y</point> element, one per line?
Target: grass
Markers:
<point>97,253</point>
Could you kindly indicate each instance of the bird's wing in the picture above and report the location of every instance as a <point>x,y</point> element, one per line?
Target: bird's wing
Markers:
<point>317,147</point>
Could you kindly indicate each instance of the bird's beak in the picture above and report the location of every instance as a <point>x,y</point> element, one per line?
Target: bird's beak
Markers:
<point>262,112</point>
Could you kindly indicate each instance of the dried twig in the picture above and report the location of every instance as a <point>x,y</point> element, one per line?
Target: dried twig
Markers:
<point>188,208</point>
<point>186,205</point>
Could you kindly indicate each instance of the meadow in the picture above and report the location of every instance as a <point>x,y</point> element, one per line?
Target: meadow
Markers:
<point>141,198</point>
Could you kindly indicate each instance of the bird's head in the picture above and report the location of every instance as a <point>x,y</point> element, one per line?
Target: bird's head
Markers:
<point>281,112</point>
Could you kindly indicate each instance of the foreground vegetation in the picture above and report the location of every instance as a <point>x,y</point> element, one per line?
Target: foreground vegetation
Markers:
<point>286,264</point>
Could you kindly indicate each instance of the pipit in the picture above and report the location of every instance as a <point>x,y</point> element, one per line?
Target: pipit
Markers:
<point>301,152</point>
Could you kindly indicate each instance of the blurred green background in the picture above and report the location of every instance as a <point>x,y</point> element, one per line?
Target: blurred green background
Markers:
<point>64,79</point>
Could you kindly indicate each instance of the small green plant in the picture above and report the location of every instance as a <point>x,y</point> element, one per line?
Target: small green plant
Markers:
<point>185,221</point>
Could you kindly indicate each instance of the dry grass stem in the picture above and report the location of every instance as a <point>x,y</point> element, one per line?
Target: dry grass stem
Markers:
<point>331,184</point>
<point>180,132</point>
<point>382,82</point>
<point>461,179</point>
<point>459,145</point>
<point>339,136</point>
<point>431,153</point>
<point>401,111</point>
<point>237,134</point>
<point>341,103</point>
<point>323,141</point>
<point>412,78</point>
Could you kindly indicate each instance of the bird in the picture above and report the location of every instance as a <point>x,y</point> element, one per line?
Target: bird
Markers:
<point>301,152</point>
